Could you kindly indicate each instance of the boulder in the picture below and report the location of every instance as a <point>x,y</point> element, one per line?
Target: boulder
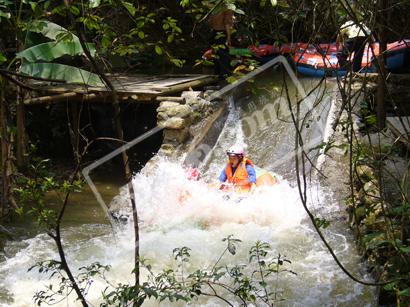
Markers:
<point>167,149</point>
<point>178,111</point>
<point>171,109</point>
<point>175,123</point>
<point>359,213</point>
<point>364,172</point>
<point>164,105</point>
<point>191,97</point>
<point>371,193</point>
<point>176,136</point>
<point>162,116</point>
<point>195,100</point>
<point>373,217</point>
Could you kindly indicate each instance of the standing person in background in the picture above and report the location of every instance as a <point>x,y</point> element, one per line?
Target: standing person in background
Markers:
<point>221,22</point>
<point>353,37</point>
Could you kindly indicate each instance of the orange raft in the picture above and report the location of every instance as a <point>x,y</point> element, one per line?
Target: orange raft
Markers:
<point>265,178</point>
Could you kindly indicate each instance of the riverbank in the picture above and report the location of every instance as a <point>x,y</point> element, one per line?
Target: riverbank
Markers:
<point>375,185</point>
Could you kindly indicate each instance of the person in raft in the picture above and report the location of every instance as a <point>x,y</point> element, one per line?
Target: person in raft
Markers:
<point>239,172</point>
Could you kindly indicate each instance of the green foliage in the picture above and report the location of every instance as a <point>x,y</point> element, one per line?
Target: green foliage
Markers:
<point>181,254</point>
<point>53,269</point>
<point>38,59</point>
<point>61,72</point>
<point>129,7</point>
<point>53,50</point>
<point>33,187</point>
<point>158,49</point>
<point>4,9</point>
<point>321,222</point>
<point>251,283</point>
<point>405,292</point>
<point>2,58</point>
<point>262,3</point>
<point>383,221</point>
<point>255,282</point>
<point>326,146</point>
<point>184,3</point>
<point>51,30</point>
<point>95,3</point>
<point>371,120</point>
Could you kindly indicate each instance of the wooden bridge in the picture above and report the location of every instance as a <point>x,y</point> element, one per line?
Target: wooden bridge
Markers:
<point>140,88</point>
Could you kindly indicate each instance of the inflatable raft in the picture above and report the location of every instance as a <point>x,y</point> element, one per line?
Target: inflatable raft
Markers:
<point>322,61</point>
<point>264,179</point>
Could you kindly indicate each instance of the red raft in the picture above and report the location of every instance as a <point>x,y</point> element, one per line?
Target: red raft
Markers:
<point>321,60</point>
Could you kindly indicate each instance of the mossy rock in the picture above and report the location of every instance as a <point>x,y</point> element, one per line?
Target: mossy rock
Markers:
<point>364,172</point>
<point>359,213</point>
<point>370,193</point>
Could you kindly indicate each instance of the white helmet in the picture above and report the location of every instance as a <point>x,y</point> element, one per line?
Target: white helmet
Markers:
<point>236,150</point>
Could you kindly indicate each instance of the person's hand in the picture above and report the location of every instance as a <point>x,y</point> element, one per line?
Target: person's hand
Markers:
<point>223,187</point>
<point>226,186</point>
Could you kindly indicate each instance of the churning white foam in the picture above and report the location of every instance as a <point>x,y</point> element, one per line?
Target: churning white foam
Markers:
<point>176,212</point>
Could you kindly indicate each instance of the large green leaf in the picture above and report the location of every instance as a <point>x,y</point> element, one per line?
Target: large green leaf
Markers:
<point>95,3</point>
<point>2,58</point>
<point>5,15</point>
<point>53,50</point>
<point>56,71</point>
<point>130,7</point>
<point>405,292</point>
<point>52,30</point>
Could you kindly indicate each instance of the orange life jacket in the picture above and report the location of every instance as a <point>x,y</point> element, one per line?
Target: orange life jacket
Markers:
<point>240,177</point>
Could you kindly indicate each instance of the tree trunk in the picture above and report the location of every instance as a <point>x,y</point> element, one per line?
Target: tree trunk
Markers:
<point>20,119</point>
<point>128,175</point>
<point>21,142</point>
<point>381,81</point>
<point>4,156</point>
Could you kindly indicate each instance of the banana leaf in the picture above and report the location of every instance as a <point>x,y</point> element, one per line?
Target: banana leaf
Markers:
<point>52,30</point>
<point>61,72</point>
<point>53,50</point>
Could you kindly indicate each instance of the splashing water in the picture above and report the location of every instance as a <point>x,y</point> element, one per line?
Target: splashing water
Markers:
<point>198,220</point>
<point>176,212</point>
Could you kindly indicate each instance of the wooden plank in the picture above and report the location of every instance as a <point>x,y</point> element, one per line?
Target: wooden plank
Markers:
<point>56,98</point>
<point>187,85</point>
<point>198,76</point>
<point>144,87</point>
<point>171,81</point>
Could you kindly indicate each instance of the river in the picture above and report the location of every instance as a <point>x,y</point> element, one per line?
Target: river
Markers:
<point>275,216</point>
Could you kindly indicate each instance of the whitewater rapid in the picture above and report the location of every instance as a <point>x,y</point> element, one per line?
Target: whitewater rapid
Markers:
<point>199,221</point>
<point>176,212</point>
